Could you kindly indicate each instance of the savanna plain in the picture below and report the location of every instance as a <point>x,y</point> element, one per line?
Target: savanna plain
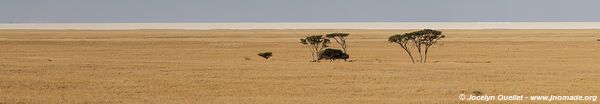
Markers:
<point>222,66</point>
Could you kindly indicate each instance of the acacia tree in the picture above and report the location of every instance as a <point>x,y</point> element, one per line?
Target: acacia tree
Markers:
<point>315,43</point>
<point>416,38</point>
<point>402,40</point>
<point>429,38</point>
<point>425,37</point>
<point>340,38</point>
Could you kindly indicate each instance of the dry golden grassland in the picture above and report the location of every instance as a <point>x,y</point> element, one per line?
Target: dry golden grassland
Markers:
<point>221,66</point>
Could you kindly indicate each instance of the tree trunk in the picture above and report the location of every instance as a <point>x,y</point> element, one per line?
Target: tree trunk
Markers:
<point>316,55</point>
<point>409,54</point>
<point>311,52</point>
<point>342,42</point>
<point>411,57</point>
<point>418,46</point>
<point>426,49</point>
<point>344,48</point>
<point>344,45</point>
<point>313,55</point>
<point>420,55</point>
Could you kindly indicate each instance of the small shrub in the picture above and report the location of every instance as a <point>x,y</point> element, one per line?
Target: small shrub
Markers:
<point>265,55</point>
<point>477,93</point>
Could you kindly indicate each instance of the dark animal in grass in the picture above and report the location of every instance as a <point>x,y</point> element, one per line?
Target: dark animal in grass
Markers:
<point>265,55</point>
<point>333,54</point>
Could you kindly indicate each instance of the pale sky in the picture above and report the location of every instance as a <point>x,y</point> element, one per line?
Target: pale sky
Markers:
<point>164,11</point>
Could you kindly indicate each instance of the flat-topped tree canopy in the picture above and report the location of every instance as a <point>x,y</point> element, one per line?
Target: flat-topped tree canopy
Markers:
<point>429,37</point>
<point>303,41</point>
<point>331,35</point>
<point>314,39</point>
<point>419,35</point>
<point>395,38</point>
<point>428,31</point>
<point>400,38</point>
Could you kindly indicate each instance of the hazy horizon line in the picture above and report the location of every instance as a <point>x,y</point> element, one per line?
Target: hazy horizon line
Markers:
<point>308,25</point>
<point>314,22</point>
